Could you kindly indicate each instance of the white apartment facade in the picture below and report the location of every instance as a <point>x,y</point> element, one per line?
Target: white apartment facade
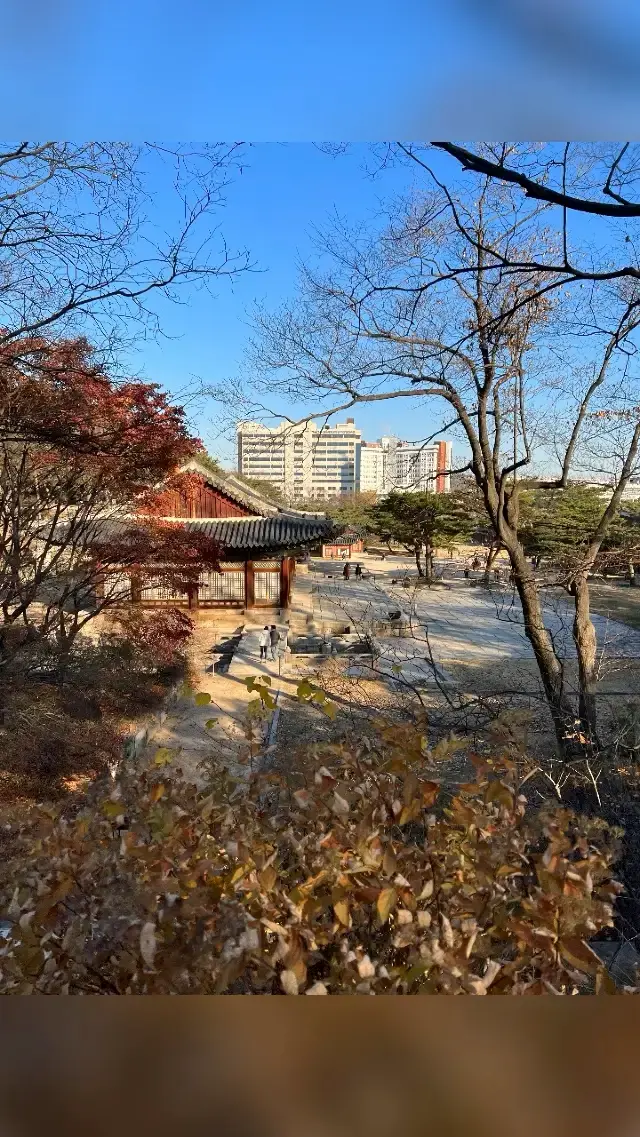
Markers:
<point>390,464</point>
<point>304,461</point>
<point>308,461</point>
<point>373,467</point>
<point>422,468</point>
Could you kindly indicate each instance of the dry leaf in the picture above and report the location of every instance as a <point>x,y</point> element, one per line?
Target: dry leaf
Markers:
<point>268,878</point>
<point>447,931</point>
<point>289,983</point>
<point>385,903</point>
<point>427,891</point>
<point>366,970</point>
<point>341,909</point>
<point>317,989</point>
<point>340,804</point>
<point>578,954</point>
<point>148,943</point>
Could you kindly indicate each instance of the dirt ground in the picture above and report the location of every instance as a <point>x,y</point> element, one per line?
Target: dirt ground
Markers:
<point>618,601</point>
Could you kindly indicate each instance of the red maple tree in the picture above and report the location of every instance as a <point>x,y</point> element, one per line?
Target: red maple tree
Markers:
<point>86,464</point>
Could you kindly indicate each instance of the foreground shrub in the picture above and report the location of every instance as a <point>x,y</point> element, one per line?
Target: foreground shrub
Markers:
<point>157,639</point>
<point>364,882</point>
<point>63,719</point>
<point>45,744</point>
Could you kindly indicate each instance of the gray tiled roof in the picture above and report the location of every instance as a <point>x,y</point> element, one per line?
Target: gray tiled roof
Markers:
<point>282,531</point>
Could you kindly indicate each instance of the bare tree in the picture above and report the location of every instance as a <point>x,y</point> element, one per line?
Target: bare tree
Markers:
<point>454,301</point>
<point>84,247</point>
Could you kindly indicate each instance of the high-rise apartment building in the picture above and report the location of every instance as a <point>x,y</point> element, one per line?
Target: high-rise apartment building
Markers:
<point>373,467</point>
<point>390,464</point>
<point>422,467</point>
<point>309,461</point>
<point>304,461</point>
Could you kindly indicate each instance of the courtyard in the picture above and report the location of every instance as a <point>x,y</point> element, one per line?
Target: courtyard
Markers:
<point>463,621</point>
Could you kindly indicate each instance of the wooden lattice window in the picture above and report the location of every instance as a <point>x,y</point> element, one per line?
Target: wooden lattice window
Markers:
<point>152,592</point>
<point>226,585</point>
<point>267,586</point>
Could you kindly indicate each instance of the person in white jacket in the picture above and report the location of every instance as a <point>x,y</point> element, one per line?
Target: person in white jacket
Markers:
<point>264,640</point>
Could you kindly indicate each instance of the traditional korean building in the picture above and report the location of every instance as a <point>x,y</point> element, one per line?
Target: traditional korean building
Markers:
<point>345,546</point>
<point>259,543</point>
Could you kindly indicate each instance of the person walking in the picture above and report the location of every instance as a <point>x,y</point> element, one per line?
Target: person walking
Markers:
<point>274,637</point>
<point>346,572</point>
<point>358,571</point>
<point>264,641</point>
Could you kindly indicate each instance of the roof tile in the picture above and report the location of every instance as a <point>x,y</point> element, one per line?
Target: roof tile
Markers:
<point>281,531</point>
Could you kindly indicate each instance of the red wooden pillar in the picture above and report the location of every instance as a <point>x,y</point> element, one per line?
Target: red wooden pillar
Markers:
<point>136,589</point>
<point>249,585</point>
<point>192,593</point>
<point>287,568</point>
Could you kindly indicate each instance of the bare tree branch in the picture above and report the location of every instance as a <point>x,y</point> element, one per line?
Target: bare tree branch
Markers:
<point>537,190</point>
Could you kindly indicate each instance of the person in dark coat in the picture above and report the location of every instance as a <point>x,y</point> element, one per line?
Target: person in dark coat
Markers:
<point>358,571</point>
<point>346,572</point>
<point>274,636</point>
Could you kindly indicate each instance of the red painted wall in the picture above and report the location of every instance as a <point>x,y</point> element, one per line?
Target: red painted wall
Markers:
<point>442,465</point>
<point>337,549</point>
<point>205,502</point>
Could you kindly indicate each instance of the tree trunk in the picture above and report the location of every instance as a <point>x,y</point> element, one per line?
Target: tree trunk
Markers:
<point>550,668</point>
<point>491,556</point>
<point>584,635</point>
<point>418,550</point>
<point>428,564</point>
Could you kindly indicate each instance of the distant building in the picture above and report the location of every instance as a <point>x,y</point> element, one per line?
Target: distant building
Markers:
<point>631,491</point>
<point>390,464</point>
<point>308,461</point>
<point>344,547</point>
<point>421,468</point>
<point>304,461</point>
<point>373,467</point>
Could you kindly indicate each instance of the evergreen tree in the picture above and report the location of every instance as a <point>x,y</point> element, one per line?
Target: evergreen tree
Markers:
<point>422,522</point>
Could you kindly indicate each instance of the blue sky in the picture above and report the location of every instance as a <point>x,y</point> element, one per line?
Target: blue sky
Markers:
<point>293,71</point>
<point>272,208</point>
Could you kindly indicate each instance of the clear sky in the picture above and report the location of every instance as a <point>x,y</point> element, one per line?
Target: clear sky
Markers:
<point>293,71</point>
<point>272,208</point>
